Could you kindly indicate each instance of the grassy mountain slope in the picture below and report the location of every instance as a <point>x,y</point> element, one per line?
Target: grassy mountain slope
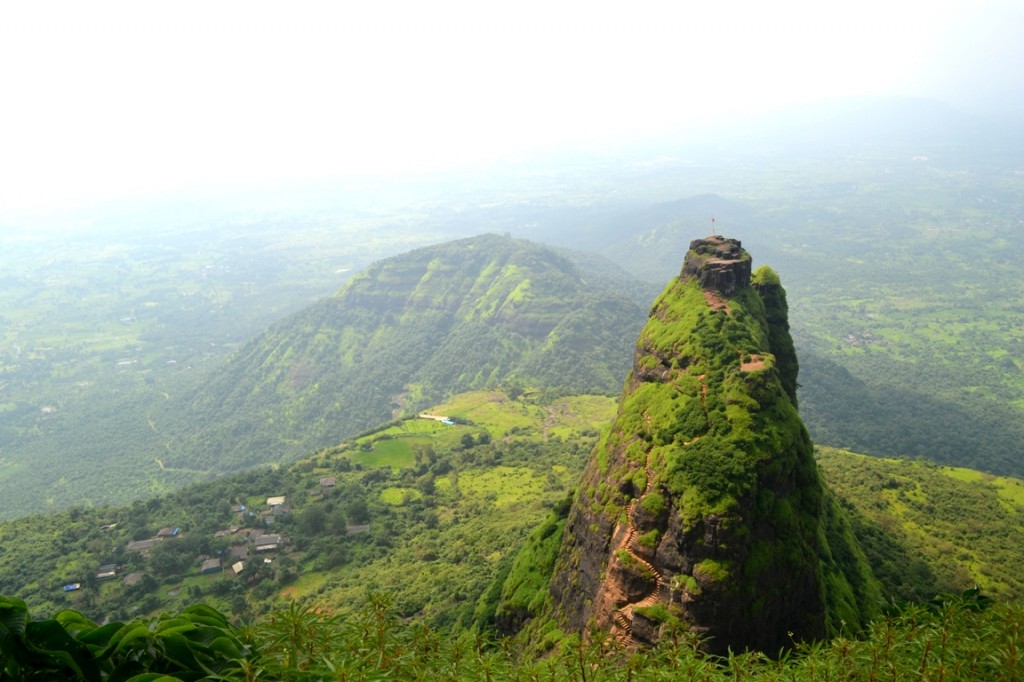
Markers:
<point>929,528</point>
<point>408,331</point>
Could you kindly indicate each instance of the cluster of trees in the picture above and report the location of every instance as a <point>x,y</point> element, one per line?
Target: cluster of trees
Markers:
<point>433,543</point>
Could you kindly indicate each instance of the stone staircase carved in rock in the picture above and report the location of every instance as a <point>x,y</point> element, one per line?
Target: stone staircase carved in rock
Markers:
<point>623,617</point>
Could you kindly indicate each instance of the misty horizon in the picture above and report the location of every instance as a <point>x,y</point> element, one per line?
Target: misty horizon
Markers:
<point>144,101</point>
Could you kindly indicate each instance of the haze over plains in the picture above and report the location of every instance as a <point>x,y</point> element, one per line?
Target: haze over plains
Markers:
<point>118,100</point>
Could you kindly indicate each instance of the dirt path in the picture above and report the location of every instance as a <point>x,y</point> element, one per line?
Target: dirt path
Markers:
<point>716,302</point>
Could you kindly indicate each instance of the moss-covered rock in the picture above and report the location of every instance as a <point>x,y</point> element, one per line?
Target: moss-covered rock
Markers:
<point>704,498</point>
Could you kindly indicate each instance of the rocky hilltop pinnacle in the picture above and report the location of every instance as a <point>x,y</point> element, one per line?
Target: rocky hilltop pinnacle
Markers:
<point>718,264</point>
<point>701,509</point>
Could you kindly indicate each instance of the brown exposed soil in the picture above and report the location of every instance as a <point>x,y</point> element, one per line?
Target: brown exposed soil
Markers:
<point>755,364</point>
<point>716,302</point>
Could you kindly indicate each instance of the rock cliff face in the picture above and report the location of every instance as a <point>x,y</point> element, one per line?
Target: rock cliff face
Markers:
<point>718,264</point>
<point>701,509</point>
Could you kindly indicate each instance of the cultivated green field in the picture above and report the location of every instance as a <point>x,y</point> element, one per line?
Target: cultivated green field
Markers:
<point>503,416</point>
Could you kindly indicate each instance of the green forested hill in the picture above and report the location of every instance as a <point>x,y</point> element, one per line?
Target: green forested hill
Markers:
<point>408,331</point>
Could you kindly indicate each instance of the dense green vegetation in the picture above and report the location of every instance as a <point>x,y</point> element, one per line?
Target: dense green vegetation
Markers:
<point>421,510</point>
<point>928,528</point>
<point>956,638</point>
<point>454,503</point>
<point>521,592</point>
<point>441,554</point>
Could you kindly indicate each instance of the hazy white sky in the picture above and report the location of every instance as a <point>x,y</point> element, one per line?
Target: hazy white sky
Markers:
<point>107,99</point>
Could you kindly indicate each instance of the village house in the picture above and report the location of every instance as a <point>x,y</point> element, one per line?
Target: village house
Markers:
<point>106,571</point>
<point>268,543</point>
<point>142,546</point>
<point>238,553</point>
<point>210,566</point>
